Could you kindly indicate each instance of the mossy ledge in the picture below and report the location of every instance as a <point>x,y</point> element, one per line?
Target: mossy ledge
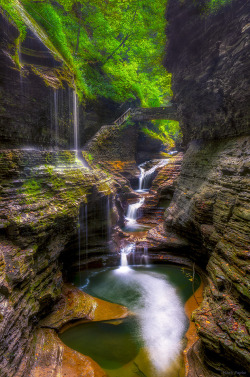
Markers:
<point>41,195</point>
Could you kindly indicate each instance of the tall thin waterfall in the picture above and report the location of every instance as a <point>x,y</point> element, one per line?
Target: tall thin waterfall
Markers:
<point>75,120</point>
<point>21,73</point>
<point>79,245</point>
<point>82,234</point>
<point>144,257</point>
<point>108,219</point>
<point>86,230</point>
<point>56,119</point>
<point>146,175</point>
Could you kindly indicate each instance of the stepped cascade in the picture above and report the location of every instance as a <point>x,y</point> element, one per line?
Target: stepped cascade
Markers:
<point>124,188</point>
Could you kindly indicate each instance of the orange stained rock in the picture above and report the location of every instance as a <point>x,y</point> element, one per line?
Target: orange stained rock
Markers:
<point>107,311</point>
<point>53,358</point>
<point>193,303</point>
<point>78,305</point>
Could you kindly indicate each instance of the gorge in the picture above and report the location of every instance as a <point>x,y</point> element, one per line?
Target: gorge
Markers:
<point>79,192</point>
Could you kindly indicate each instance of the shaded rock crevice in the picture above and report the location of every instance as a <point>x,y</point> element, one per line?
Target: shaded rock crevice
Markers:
<point>42,193</point>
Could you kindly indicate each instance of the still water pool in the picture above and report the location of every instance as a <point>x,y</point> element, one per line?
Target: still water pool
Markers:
<point>150,341</point>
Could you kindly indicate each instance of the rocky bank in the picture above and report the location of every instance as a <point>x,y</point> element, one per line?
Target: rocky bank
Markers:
<point>207,220</point>
<point>209,57</point>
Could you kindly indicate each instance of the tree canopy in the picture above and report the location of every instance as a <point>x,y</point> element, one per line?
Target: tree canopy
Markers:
<point>114,47</point>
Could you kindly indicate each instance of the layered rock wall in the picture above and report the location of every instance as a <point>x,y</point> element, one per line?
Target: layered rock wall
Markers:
<point>36,95</point>
<point>209,57</point>
<point>41,194</point>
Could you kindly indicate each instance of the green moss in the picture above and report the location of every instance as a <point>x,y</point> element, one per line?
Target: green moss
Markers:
<point>90,157</point>
<point>214,5</point>
<point>32,187</point>
<point>116,52</point>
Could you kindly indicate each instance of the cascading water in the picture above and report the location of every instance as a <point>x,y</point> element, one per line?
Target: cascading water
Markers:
<point>82,234</point>
<point>56,119</point>
<point>146,175</point>
<point>75,120</point>
<point>144,257</point>
<point>132,211</point>
<point>153,344</point>
<point>125,251</point>
<point>78,155</point>
<point>86,231</point>
<point>108,219</point>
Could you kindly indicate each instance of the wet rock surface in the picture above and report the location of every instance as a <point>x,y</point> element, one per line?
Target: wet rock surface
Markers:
<point>41,195</point>
<point>209,212</point>
<point>209,58</point>
<point>208,55</point>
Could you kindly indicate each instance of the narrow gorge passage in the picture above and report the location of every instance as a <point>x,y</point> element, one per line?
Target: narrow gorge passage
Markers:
<point>124,172</point>
<point>151,339</point>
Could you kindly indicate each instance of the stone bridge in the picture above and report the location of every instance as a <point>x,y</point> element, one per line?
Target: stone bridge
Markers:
<point>147,114</point>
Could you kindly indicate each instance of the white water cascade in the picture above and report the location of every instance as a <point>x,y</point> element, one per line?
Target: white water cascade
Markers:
<point>82,234</point>
<point>159,311</point>
<point>144,257</point>
<point>75,120</point>
<point>133,210</point>
<point>125,251</point>
<point>56,119</point>
<point>146,175</point>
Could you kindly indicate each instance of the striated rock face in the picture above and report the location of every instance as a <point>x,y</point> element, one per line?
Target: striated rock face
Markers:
<point>41,193</point>
<point>209,57</point>
<point>113,143</point>
<point>36,99</point>
<point>210,209</point>
<point>166,179</point>
<point>34,108</point>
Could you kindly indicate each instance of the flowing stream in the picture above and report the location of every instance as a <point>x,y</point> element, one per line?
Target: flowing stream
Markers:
<point>132,215</point>
<point>149,342</point>
<point>146,176</point>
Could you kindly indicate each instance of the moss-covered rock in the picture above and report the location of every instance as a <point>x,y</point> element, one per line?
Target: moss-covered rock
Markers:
<point>41,194</point>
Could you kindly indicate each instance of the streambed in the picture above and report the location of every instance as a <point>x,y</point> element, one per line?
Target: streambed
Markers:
<point>150,341</point>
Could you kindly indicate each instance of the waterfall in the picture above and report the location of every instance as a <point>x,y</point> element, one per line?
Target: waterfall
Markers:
<point>146,175</point>
<point>125,251</point>
<point>56,119</point>
<point>21,73</point>
<point>75,120</point>
<point>79,245</point>
<point>144,257</point>
<point>133,209</point>
<point>108,220</point>
<point>86,231</point>
<point>141,177</point>
<point>82,234</point>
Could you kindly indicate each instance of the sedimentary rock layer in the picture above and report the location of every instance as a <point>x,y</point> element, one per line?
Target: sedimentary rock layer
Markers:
<point>208,54</point>
<point>41,193</point>
<point>209,57</point>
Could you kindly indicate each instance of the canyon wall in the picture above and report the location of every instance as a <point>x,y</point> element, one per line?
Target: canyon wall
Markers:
<point>36,95</point>
<point>41,196</point>
<point>209,57</point>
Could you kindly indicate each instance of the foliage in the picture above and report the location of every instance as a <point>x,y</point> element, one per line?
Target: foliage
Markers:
<point>214,5</point>
<point>167,131</point>
<point>90,157</point>
<point>114,47</point>
<point>14,16</point>
<point>31,189</point>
